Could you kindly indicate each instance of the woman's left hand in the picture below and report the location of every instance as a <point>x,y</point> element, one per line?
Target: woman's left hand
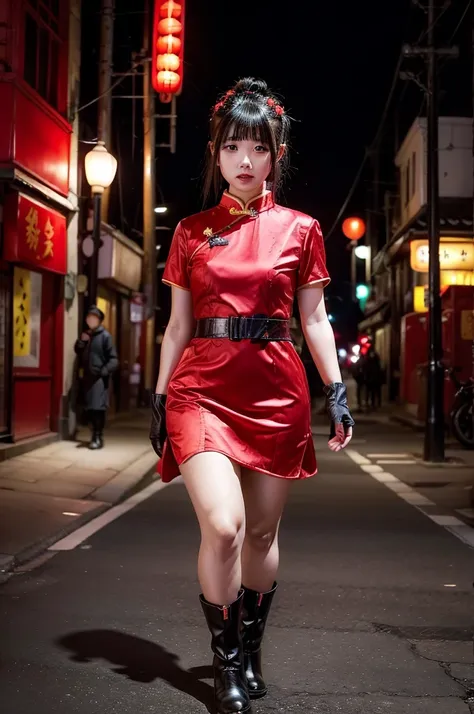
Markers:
<point>341,439</point>
<point>341,419</point>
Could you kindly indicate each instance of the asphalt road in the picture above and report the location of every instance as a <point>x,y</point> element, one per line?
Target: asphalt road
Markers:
<point>373,614</point>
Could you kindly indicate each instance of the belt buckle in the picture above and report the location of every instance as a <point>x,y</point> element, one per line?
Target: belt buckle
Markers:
<point>263,330</point>
<point>234,328</point>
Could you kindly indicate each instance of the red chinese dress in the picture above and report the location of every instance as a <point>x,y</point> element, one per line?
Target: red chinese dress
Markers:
<point>249,401</point>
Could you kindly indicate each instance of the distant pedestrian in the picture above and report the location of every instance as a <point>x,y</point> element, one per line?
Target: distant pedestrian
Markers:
<point>97,360</point>
<point>231,411</point>
<point>373,378</point>
<point>358,373</point>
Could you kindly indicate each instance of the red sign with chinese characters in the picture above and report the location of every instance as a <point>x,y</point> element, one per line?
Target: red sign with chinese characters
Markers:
<point>35,234</point>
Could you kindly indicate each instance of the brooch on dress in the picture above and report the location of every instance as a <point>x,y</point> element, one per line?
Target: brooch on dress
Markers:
<point>214,240</point>
<point>244,212</point>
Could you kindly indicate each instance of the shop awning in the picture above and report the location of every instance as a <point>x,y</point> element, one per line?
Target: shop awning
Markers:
<point>456,220</point>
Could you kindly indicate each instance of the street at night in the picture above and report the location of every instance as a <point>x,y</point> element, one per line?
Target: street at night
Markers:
<point>373,614</point>
<point>236,357</point>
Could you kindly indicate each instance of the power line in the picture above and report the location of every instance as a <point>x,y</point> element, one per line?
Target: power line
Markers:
<point>132,69</point>
<point>454,33</point>
<point>367,151</point>
<point>386,108</point>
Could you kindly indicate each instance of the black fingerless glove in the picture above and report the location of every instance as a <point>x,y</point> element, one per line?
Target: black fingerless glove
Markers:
<point>337,407</point>
<point>158,432</point>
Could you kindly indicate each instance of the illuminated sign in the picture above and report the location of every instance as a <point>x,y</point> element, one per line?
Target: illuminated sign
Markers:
<point>453,255</point>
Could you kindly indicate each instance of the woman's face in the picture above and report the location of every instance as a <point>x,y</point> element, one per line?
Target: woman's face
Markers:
<point>245,165</point>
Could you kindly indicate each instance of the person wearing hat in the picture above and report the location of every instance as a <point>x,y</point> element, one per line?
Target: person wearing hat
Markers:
<point>98,359</point>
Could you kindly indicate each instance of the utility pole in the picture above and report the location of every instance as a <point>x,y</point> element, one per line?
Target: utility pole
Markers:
<point>434,430</point>
<point>472,59</point>
<point>104,129</point>
<point>149,238</point>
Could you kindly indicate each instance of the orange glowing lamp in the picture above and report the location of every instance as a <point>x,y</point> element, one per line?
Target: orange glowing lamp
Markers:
<point>353,228</point>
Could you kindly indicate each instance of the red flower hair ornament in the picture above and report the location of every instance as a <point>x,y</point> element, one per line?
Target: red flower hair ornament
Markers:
<point>277,108</point>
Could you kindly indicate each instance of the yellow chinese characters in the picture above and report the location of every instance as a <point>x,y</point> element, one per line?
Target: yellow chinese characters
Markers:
<point>48,243</point>
<point>33,233</point>
<point>32,230</point>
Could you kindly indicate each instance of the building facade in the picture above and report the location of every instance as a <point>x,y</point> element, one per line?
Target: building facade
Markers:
<point>396,316</point>
<point>39,75</point>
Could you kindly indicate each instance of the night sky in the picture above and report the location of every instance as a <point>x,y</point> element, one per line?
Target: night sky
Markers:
<point>333,65</point>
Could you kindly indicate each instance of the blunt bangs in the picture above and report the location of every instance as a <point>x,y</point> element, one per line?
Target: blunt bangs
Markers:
<point>243,123</point>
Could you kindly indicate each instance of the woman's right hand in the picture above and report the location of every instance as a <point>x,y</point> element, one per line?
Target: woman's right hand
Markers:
<point>158,432</point>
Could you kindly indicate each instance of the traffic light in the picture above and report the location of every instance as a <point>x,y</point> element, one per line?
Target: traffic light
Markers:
<point>362,294</point>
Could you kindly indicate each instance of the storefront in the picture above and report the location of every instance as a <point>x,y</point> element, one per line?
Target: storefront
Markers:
<point>120,271</point>
<point>32,266</point>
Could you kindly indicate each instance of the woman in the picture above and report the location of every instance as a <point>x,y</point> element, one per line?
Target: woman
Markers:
<point>231,411</point>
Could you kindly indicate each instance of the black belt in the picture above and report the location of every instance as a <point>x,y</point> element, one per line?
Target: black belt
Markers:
<point>236,328</point>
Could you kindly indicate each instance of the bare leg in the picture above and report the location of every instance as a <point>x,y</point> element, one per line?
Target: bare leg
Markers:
<point>213,484</point>
<point>265,497</point>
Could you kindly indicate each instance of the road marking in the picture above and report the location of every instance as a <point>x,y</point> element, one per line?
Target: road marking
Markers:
<point>371,468</point>
<point>388,456</point>
<point>78,536</point>
<point>466,512</point>
<point>396,461</point>
<point>358,458</point>
<point>453,525</point>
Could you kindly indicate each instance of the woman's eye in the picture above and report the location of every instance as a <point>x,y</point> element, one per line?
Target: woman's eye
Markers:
<point>261,148</point>
<point>230,147</point>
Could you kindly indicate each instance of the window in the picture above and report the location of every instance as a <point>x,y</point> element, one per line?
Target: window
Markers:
<point>413,173</point>
<point>42,45</point>
<point>407,184</point>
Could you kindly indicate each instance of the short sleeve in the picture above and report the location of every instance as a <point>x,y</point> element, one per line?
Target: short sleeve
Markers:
<point>312,269</point>
<point>176,268</point>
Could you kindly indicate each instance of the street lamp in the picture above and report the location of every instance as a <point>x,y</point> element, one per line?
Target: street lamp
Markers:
<point>100,168</point>
<point>161,209</point>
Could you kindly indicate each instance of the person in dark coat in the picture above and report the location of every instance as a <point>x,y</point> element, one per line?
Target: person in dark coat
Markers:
<point>97,360</point>
<point>373,377</point>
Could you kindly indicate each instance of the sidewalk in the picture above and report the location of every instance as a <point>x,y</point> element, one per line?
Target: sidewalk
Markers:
<point>53,490</point>
<point>397,446</point>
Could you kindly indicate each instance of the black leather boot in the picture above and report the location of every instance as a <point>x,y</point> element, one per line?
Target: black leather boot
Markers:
<point>96,442</point>
<point>254,618</point>
<point>97,419</point>
<point>230,688</point>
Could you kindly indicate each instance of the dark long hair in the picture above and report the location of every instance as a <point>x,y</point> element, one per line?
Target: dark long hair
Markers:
<point>250,111</point>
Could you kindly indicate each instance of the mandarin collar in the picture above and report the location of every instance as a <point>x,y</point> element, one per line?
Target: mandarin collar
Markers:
<point>259,203</point>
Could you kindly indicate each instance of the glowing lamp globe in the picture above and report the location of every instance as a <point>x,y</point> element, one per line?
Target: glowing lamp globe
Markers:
<point>362,252</point>
<point>353,228</point>
<point>100,167</point>
<point>169,26</point>
<point>168,44</point>
<point>168,62</point>
<point>168,81</point>
<point>170,9</point>
<point>362,293</point>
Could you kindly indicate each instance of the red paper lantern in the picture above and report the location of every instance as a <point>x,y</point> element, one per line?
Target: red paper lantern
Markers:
<point>170,9</point>
<point>169,81</point>
<point>353,228</point>
<point>169,26</point>
<point>168,45</point>
<point>168,62</point>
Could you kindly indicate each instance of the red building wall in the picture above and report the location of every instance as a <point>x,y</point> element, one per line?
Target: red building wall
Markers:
<point>34,134</point>
<point>35,139</point>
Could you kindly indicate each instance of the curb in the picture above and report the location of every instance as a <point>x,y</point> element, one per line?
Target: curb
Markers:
<point>408,421</point>
<point>9,563</point>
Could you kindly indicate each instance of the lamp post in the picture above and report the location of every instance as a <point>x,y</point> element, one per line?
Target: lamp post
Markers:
<point>100,168</point>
